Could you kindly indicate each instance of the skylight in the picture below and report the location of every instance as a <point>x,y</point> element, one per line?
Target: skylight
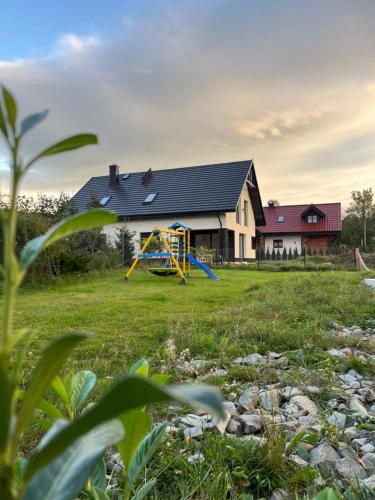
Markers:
<point>281,218</point>
<point>104,200</point>
<point>125,176</point>
<point>150,198</point>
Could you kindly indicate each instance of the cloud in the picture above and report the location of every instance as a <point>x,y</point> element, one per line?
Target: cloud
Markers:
<point>289,83</point>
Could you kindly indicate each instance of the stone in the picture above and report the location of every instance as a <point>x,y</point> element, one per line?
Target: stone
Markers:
<point>254,359</point>
<point>345,450</point>
<point>234,427</point>
<point>324,457</point>
<point>349,469</point>
<point>367,448</point>
<point>272,419</point>
<point>197,457</point>
<point>276,360</point>
<point>305,404</point>
<point>372,409</point>
<point>336,352</point>
<point>291,409</point>
<point>312,389</point>
<point>270,399</point>
<point>249,399</point>
<point>221,425</point>
<point>288,392</point>
<point>355,405</point>
<point>369,395</point>
<point>369,481</point>
<point>279,494</point>
<point>368,461</point>
<point>352,432</point>
<point>192,420</point>
<point>219,372</point>
<point>198,364</point>
<point>229,407</point>
<point>337,419</point>
<point>250,423</point>
<point>193,432</point>
<point>297,460</point>
<point>348,378</point>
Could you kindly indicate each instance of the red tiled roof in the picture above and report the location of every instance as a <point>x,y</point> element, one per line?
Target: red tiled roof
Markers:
<point>293,222</point>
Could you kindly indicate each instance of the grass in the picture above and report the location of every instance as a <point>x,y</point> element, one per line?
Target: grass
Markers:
<point>246,311</point>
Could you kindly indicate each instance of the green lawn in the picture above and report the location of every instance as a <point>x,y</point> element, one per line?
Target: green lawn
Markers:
<point>243,312</point>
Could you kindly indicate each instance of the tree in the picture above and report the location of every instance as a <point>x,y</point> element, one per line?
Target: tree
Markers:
<point>362,206</point>
<point>273,202</point>
<point>285,255</point>
<point>124,243</point>
<point>290,255</point>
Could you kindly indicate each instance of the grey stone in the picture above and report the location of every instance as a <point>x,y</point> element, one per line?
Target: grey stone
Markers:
<point>350,469</point>
<point>229,407</point>
<point>193,432</point>
<point>253,359</point>
<point>219,372</point>
<point>305,404</point>
<point>297,460</point>
<point>337,419</point>
<point>221,425</point>
<point>291,409</point>
<point>312,389</point>
<point>279,494</point>
<point>369,461</point>
<point>336,352</point>
<point>197,457</point>
<point>192,420</point>
<point>369,481</point>
<point>234,427</point>
<point>355,405</point>
<point>270,399</point>
<point>250,423</point>
<point>288,392</point>
<point>198,364</point>
<point>367,448</point>
<point>345,450</point>
<point>324,457</point>
<point>352,432</point>
<point>249,399</point>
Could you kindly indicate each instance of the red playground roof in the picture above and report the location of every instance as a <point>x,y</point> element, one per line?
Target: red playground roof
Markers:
<point>289,219</point>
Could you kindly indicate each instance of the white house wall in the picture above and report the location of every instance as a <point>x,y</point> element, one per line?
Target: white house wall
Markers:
<point>292,242</point>
<point>147,225</point>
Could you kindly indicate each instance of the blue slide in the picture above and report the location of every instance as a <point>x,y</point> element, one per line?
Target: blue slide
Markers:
<point>202,266</point>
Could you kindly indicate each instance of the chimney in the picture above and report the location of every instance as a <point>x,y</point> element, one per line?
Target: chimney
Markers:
<point>271,204</point>
<point>114,175</point>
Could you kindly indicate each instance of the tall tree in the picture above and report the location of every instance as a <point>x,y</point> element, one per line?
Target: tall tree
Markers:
<point>362,206</point>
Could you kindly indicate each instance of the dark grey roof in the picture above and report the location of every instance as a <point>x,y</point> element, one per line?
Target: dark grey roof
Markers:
<point>180,191</point>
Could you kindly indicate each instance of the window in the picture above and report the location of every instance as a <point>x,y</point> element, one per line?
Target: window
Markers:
<point>312,219</point>
<point>238,214</point>
<point>253,242</point>
<point>281,218</point>
<point>242,246</point>
<point>246,213</point>
<point>104,200</point>
<point>277,243</point>
<point>125,176</point>
<point>150,198</point>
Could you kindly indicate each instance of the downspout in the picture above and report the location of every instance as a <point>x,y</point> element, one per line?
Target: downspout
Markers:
<point>221,237</point>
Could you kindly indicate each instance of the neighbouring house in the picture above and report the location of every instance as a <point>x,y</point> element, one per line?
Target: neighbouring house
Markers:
<point>221,204</point>
<point>315,226</point>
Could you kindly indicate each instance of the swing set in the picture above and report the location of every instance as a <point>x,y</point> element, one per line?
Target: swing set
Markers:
<point>173,245</point>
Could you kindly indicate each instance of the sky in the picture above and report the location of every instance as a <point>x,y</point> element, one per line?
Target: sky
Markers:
<point>165,83</point>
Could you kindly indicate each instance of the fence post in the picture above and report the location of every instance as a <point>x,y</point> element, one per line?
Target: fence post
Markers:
<point>122,248</point>
<point>304,257</point>
<point>258,251</point>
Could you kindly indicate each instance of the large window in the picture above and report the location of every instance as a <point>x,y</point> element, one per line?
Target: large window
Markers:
<point>277,243</point>
<point>238,214</point>
<point>242,246</point>
<point>246,212</point>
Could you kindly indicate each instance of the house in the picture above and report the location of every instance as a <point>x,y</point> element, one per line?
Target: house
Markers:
<point>221,204</point>
<point>315,226</point>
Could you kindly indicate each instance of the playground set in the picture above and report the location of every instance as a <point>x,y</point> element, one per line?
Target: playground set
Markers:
<point>173,249</point>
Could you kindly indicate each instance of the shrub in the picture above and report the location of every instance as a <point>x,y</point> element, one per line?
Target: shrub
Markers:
<point>285,255</point>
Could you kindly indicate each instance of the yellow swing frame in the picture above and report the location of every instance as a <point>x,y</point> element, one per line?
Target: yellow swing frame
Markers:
<point>164,234</point>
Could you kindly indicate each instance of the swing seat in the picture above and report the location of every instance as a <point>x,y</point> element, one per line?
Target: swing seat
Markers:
<point>163,271</point>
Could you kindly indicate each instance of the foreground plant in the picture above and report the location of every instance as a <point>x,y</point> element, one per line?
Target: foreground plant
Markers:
<point>67,455</point>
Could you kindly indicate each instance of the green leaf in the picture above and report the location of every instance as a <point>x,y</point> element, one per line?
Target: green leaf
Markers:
<point>48,365</point>
<point>137,424</point>
<point>81,384</point>
<point>161,378</point>
<point>126,394</point>
<point>32,120</point>
<point>6,396</point>
<point>59,387</point>
<point>144,452</point>
<point>3,125</point>
<point>98,494</point>
<point>326,494</point>
<point>43,405</point>
<point>140,368</point>
<point>11,108</point>
<point>68,144</point>
<point>70,225</point>
<point>144,490</point>
<point>98,478</point>
<point>64,477</point>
